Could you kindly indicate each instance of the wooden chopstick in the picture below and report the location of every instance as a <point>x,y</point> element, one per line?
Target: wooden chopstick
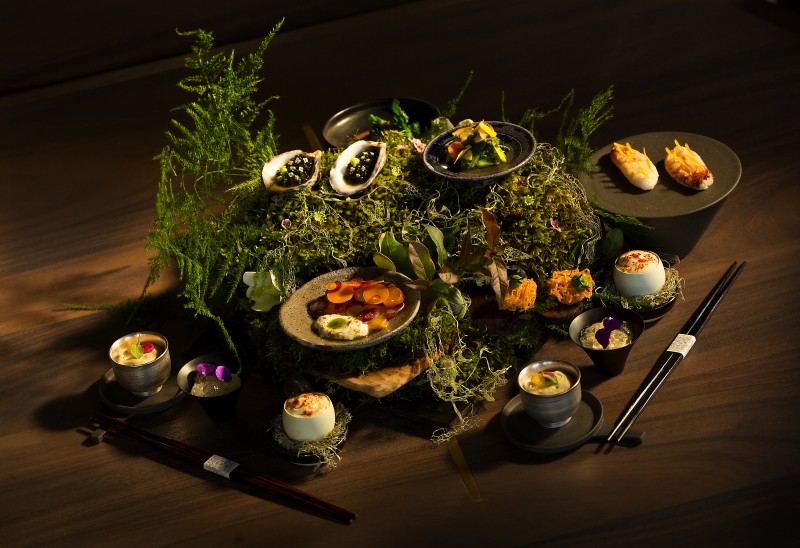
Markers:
<point>222,466</point>
<point>677,350</point>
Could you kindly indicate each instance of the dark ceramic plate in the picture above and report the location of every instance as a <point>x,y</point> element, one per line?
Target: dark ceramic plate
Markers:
<point>303,459</point>
<point>677,216</point>
<point>339,130</point>
<point>296,321</point>
<point>120,400</point>
<point>519,141</point>
<point>613,192</point>
<point>650,315</point>
<point>524,432</point>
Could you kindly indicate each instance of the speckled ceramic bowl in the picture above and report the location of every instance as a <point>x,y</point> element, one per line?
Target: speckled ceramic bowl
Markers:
<point>297,322</point>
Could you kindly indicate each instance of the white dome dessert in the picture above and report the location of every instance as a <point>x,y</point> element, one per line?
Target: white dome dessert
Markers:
<point>308,417</point>
<point>638,273</point>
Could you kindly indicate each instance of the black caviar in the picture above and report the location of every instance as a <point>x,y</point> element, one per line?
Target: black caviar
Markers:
<point>361,167</point>
<point>296,171</point>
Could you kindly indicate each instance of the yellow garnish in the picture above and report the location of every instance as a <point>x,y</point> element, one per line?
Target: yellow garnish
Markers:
<point>562,288</point>
<point>538,380</point>
<point>522,297</point>
<point>687,160</point>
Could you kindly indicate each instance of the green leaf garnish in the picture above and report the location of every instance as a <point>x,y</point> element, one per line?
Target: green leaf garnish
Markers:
<point>550,377</point>
<point>580,282</point>
<point>136,350</point>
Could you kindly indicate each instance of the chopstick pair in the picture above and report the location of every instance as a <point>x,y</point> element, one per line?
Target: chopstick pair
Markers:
<point>676,351</point>
<point>224,467</point>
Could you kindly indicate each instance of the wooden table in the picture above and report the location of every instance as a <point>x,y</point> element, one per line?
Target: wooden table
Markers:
<point>721,461</point>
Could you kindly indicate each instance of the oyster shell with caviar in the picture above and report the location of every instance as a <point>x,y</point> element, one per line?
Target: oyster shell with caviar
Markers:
<point>357,166</point>
<point>291,170</point>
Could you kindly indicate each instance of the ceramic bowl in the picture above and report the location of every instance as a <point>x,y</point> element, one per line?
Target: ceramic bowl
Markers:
<point>296,321</point>
<point>550,410</point>
<point>609,362</point>
<point>519,142</point>
<point>143,379</point>
<point>308,417</point>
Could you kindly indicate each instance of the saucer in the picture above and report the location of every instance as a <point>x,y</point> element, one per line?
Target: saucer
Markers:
<point>587,422</point>
<point>650,315</point>
<point>120,400</point>
<point>303,459</point>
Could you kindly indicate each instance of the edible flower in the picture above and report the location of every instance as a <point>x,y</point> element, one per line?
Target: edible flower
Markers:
<point>262,288</point>
<point>219,371</point>
<point>603,335</point>
<point>139,349</point>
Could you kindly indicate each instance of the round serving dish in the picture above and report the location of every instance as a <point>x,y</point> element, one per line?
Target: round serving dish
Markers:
<point>678,215</point>
<point>340,128</point>
<point>296,322</point>
<point>521,146</point>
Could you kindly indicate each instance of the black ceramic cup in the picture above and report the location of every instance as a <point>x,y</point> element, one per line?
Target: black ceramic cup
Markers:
<point>218,408</point>
<point>609,362</point>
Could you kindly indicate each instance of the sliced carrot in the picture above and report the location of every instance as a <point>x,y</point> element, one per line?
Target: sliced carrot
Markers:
<point>376,294</point>
<point>359,294</point>
<point>333,286</point>
<point>395,297</point>
<point>454,149</point>
<point>355,283</point>
<point>341,295</point>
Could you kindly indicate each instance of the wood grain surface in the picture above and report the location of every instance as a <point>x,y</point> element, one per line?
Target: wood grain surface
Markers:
<point>720,465</point>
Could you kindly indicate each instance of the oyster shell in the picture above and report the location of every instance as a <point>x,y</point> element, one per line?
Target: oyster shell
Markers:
<point>357,166</point>
<point>291,170</point>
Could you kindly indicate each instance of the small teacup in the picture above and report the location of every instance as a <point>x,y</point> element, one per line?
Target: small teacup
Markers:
<point>550,406</point>
<point>142,376</point>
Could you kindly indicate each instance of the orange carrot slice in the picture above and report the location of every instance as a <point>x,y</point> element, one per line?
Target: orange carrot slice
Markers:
<point>376,294</point>
<point>341,295</point>
<point>395,297</point>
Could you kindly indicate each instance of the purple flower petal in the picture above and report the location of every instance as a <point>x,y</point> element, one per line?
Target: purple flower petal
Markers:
<point>206,369</point>
<point>611,323</point>
<point>603,336</point>
<point>224,374</point>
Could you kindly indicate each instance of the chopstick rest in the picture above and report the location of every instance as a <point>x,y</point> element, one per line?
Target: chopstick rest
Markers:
<point>682,343</point>
<point>220,466</point>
